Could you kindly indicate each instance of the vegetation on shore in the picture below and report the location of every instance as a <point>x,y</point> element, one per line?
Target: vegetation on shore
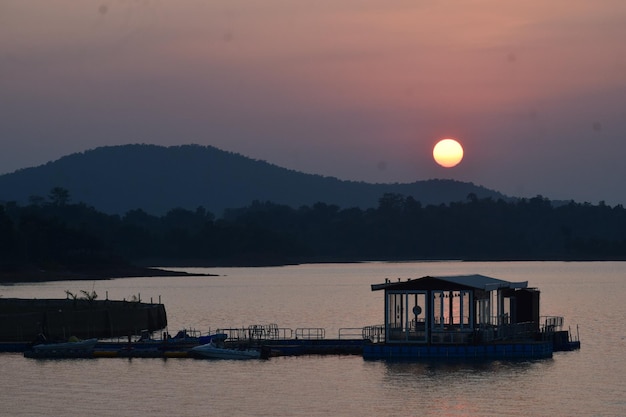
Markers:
<point>54,237</point>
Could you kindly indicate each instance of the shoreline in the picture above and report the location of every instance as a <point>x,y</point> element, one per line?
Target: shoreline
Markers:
<point>32,274</point>
<point>39,275</point>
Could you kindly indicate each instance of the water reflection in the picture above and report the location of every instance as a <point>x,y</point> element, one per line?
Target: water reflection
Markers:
<point>401,371</point>
<point>462,388</point>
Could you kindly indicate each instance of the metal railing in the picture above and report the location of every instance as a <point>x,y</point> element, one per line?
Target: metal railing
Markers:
<point>517,331</point>
<point>455,337</point>
<point>551,323</point>
<point>310,333</point>
<point>375,333</point>
<point>261,332</point>
<point>257,332</point>
<point>351,333</point>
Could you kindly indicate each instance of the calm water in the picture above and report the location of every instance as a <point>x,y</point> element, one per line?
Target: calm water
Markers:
<point>589,382</point>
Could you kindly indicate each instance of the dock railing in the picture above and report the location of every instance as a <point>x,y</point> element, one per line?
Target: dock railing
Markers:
<point>257,332</point>
<point>550,324</point>
<point>351,333</point>
<point>262,332</point>
<point>310,333</point>
<point>517,331</point>
<point>375,333</point>
<point>552,328</point>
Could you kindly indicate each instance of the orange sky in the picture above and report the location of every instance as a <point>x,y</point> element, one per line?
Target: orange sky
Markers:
<point>355,89</point>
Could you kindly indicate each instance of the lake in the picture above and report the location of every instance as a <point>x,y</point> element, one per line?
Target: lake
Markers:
<point>588,382</point>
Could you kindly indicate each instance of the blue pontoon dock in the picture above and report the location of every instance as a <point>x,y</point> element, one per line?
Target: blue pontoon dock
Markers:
<point>465,317</point>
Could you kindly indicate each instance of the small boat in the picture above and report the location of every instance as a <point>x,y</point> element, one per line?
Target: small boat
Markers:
<point>73,348</point>
<point>71,345</point>
<point>216,349</point>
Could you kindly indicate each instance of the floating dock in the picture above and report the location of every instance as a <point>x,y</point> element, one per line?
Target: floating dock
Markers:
<point>171,348</point>
<point>469,317</point>
<point>465,317</point>
<point>529,350</point>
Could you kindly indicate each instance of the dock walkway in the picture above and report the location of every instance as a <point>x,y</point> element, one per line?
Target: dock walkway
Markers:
<point>271,340</point>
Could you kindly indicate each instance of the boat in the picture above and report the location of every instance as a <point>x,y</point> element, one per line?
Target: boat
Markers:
<point>464,317</point>
<point>72,348</point>
<point>216,349</point>
<point>72,344</point>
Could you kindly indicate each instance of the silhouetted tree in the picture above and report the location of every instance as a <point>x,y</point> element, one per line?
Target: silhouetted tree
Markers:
<point>8,241</point>
<point>400,228</point>
<point>59,196</point>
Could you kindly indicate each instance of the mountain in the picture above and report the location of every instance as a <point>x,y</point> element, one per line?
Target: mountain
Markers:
<point>156,179</point>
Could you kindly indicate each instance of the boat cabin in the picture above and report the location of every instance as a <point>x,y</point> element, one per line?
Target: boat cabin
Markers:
<point>465,309</point>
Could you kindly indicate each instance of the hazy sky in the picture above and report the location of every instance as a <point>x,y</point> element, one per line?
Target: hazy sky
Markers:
<point>535,90</point>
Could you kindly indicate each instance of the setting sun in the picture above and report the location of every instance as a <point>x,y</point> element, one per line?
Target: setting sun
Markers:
<point>448,153</point>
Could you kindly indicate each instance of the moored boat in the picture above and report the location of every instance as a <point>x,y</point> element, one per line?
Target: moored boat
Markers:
<point>71,345</point>
<point>73,348</point>
<point>216,349</point>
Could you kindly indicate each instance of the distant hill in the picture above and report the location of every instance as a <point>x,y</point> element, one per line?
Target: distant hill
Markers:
<point>156,179</point>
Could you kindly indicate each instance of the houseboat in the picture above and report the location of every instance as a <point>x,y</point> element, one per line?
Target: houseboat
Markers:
<point>465,317</point>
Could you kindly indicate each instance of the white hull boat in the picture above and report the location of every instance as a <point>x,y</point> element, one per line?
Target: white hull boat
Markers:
<point>215,349</point>
<point>210,350</point>
<point>81,345</point>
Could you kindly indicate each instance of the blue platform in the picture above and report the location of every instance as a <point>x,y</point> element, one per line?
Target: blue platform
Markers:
<point>528,350</point>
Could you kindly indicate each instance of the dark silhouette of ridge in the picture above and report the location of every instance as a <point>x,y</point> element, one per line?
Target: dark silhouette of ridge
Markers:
<point>156,179</point>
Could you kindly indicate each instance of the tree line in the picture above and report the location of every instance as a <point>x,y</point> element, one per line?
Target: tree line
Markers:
<point>54,233</point>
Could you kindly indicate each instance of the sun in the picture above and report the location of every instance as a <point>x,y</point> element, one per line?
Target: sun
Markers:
<point>448,153</point>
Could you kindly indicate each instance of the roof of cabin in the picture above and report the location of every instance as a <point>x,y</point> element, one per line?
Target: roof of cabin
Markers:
<point>446,283</point>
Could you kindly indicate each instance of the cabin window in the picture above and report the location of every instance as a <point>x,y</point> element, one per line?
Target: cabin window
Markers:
<point>495,309</point>
<point>439,309</point>
<point>464,307</point>
<point>451,308</point>
<point>406,316</point>
<point>484,311</point>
